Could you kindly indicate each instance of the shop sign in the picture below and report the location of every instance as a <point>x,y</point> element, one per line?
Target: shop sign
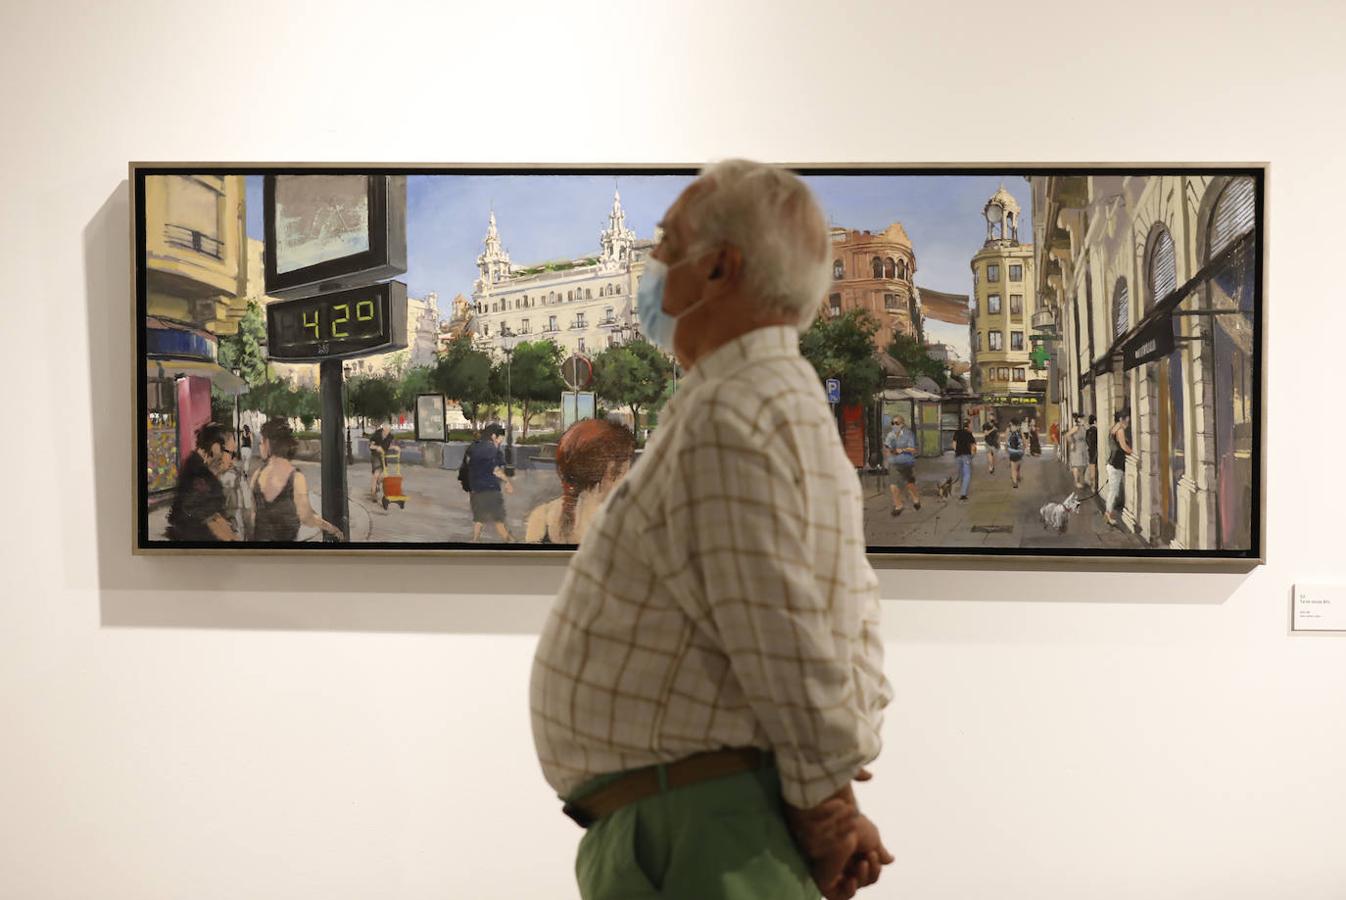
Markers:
<point>1151,342</point>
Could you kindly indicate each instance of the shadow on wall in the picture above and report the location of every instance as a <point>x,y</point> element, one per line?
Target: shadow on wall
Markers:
<point>429,594</point>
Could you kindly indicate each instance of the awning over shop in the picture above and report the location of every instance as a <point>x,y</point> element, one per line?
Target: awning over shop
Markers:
<point>220,377</point>
<point>1153,340</point>
<point>909,394</point>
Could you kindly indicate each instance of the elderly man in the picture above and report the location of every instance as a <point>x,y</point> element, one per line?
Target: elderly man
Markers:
<point>710,679</point>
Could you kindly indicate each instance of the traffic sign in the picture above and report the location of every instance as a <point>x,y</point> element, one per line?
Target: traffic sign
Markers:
<point>833,390</point>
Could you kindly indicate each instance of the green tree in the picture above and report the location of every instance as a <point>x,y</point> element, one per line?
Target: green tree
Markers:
<point>842,347</point>
<point>375,398</point>
<point>307,406</point>
<point>273,399</point>
<point>634,375</point>
<point>913,356</point>
<point>463,373</point>
<point>398,362</point>
<point>415,381</point>
<point>243,350</point>
<point>531,378</point>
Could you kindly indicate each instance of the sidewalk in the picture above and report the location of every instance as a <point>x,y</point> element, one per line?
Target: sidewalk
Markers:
<point>994,515</point>
<point>437,510</point>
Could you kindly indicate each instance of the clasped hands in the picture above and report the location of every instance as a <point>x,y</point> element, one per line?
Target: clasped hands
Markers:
<point>842,846</point>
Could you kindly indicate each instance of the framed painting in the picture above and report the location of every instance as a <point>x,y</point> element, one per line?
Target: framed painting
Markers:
<point>1025,361</point>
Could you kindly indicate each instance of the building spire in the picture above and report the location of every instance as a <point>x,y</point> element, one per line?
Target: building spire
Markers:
<point>617,239</point>
<point>493,263</point>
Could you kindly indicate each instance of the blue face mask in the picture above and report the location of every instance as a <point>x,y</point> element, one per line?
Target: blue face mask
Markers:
<point>657,325</point>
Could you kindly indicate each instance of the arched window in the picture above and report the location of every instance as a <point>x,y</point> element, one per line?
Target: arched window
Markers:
<point>889,268</point>
<point>901,268</point>
<point>1235,215</point>
<point>877,265</point>
<point>1121,309</point>
<point>588,294</point>
<point>1163,268</point>
<point>838,271</point>
<point>570,295</point>
<point>619,288</point>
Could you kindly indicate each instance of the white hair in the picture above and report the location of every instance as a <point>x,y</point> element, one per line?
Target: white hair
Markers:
<point>771,216</point>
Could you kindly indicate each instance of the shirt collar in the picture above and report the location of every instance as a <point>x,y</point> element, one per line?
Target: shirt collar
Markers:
<point>769,342</point>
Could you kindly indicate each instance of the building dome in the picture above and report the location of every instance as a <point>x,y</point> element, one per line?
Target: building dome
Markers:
<point>1003,199</point>
<point>1002,217</point>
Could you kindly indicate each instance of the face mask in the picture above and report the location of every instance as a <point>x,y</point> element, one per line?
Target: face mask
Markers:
<point>657,325</point>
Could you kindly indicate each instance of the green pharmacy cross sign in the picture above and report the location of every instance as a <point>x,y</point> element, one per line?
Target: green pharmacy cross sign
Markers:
<point>1040,355</point>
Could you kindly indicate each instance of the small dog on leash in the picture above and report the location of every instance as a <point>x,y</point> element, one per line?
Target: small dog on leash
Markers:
<point>945,488</point>
<point>1056,516</point>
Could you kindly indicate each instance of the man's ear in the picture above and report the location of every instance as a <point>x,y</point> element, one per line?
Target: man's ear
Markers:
<point>728,264</point>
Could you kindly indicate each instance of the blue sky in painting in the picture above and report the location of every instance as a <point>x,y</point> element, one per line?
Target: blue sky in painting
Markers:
<point>559,217</point>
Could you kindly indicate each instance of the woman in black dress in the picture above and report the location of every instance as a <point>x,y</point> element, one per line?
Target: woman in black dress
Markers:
<point>280,491</point>
<point>245,448</point>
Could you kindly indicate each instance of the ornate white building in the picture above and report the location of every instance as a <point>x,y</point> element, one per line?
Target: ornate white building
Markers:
<point>422,341</point>
<point>584,304</point>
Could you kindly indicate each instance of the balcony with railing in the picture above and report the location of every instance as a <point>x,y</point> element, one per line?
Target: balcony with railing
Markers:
<point>191,239</point>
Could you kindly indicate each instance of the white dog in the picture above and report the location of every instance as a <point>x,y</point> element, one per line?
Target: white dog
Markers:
<point>1056,516</point>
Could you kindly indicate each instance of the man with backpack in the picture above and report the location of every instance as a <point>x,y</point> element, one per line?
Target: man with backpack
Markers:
<point>1014,448</point>
<point>485,464</point>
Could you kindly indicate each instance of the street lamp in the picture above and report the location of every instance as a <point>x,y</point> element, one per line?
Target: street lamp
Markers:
<point>238,415</point>
<point>507,341</point>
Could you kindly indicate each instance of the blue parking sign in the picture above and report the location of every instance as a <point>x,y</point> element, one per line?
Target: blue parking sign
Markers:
<point>833,390</point>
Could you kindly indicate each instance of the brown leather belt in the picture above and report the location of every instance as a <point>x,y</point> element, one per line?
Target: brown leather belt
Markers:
<point>643,783</point>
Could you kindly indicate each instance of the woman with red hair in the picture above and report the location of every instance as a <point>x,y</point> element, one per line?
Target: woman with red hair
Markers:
<point>591,458</point>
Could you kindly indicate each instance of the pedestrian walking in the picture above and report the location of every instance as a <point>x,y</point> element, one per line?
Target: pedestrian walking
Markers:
<point>964,449</point>
<point>1077,450</point>
<point>1091,445</point>
<point>710,679</point>
<point>1054,434</point>
<point>900,445</point>
<point>280,491</point>
<point>198,511</point>
<point>245,449</point>
<point>486,477</point>
<point>1014,449</point>
<point>1119,447</point>
<point>380,442</point>
<point>991,437</point>
<point>1034,439</point>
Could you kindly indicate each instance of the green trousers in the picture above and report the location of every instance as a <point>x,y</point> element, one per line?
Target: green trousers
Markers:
<point>723,839</point>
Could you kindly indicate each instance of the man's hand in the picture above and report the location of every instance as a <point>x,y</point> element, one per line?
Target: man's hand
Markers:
<point>509,488</point>
<point>828,838</point>
<point>843,847</point>
<point>870,854</point>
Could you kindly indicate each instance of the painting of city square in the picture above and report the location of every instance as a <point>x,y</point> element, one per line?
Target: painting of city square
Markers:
<point>1042,362</point>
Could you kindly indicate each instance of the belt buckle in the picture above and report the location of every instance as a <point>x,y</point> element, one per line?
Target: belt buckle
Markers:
<point>580,816</point>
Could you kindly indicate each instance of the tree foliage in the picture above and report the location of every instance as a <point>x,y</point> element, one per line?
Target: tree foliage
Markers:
<point>374,398</point>
<point>273,399</point>
<point>243,350</point>
<point>634,375</point>
<point>415,381</point>
<point>842,347</point>
<point>917,360</point>
<point>531,378</point>
<point>463,373</point>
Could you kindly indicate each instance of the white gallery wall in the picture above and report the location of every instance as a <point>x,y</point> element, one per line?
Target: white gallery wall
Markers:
<point>205,729</point>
